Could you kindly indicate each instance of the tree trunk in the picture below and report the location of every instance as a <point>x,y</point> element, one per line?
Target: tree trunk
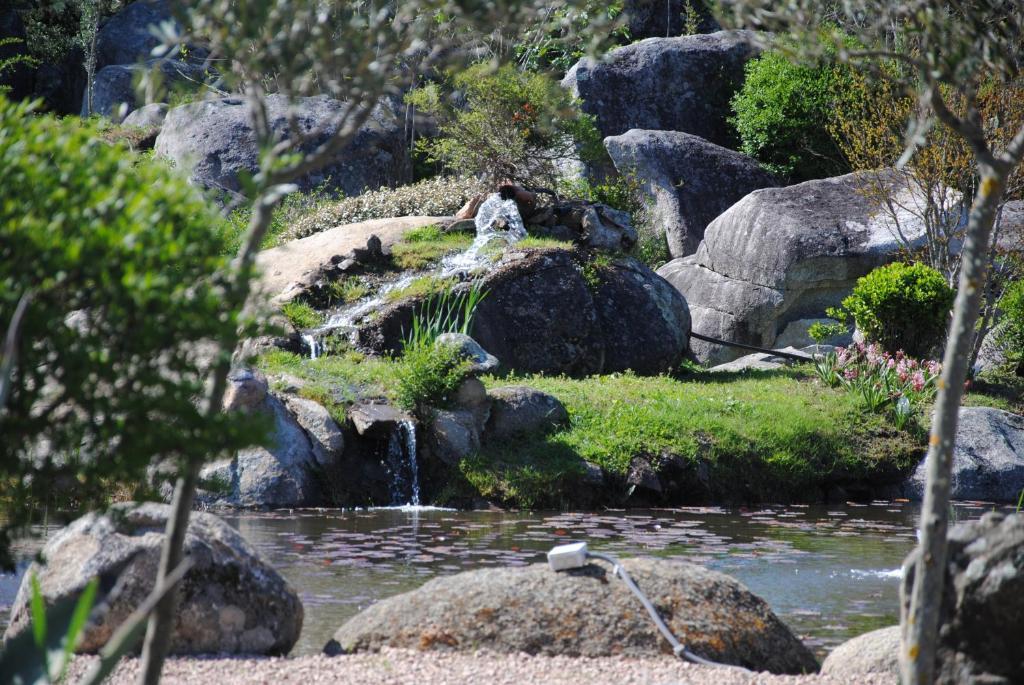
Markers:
<point>920,611</point>
<point>161,622</point>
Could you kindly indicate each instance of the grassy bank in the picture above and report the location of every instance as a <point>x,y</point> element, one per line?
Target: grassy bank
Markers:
<point>755,436</point>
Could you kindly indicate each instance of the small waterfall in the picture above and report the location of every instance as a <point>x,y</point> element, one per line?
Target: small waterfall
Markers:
<point>401,462</point>
<point>312,344</point>
<point>497,223</point>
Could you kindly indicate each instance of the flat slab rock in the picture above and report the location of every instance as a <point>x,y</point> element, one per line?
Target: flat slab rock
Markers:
<point>585,612</point>
<point>287,270</point>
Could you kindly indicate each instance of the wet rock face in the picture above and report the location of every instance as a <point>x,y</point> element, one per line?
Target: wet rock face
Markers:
<point>665,84</point>
<point>784,254</point>
<point>232,601</point>
<point>547,312</point>
<point>690,180</point>
<point>988,459</point>
<point>214,139</point>
<point>982,612</point>
<point>585,612</point>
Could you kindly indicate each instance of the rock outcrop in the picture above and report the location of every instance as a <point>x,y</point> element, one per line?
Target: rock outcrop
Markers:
<point>665,84</point>
<point>784,254</point>
<point>283,472</point>
<point>865,656</point>
<point>127,37</point>
<point>689,180</point>
<point>982,610</point>
<point>548,312</point>
<point>584,612</point>
<point>231,600</point>
<point>517,410</point>
<point>988,459</point>
<point>147,116</point>
<point>214,140</point>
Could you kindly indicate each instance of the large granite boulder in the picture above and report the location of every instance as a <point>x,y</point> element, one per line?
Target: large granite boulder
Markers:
<point>865,657</point>
<point>231,600</point>
<point>982,610</point>
<point>689,180</point>
<point>584,612</point>
<point>665,84</point>
<point>214,139</point>
<point>988,459</point>
<point>546,312</point>
<point>784,254</point>
<point>115,84</point>
<point>666,18</point>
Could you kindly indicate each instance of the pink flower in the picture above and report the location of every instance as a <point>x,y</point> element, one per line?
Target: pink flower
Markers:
<point>850,374</point>
<point>918,381</point>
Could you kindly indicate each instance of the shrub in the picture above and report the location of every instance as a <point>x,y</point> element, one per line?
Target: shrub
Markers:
<point>301,315</point>
<point>440,196</point>
<point>514,126</point>
<point>124,277</point>
<point>901,307</point>
<point>783,113</point>
<point>428,376</point>
<point>1010,331</point>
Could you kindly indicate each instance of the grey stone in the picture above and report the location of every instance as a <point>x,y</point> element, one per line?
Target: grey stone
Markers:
<point>214,140</point>
<point>247,388</point>
<point>147,116</point>
<point>481,361</point>
<point>988,459</point>
<point>114,85</point>
<point>871,654</point>
<point>281,474</point>
<point>324,433</point>
<point>689,180</point>
<point>784,254</point>
<point>585,612</point>
<point>665,84</point>
<point>454,435</point>
<point>375,419</point>
<point>759,361</point>
<point>665,18</point>
<point>982,610</point>
<point>128,37</point>
<point>518,410</point>
<point>231,600</point>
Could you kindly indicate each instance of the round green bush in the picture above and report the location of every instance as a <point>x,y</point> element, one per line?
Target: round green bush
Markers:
<point>782,116</point>
<point>121,264</point>
<point>902,307</point>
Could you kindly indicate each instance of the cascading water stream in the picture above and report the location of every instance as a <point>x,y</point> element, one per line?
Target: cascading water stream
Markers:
<point>498,226</point>
<point>401,462</point>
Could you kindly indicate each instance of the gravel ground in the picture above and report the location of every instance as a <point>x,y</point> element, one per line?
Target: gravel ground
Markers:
<point>402,667</point>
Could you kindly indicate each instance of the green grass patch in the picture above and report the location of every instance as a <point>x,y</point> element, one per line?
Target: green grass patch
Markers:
<point>345,290</point>
<point>301,315</point>
<point>776,435</point>
<point>420,287</point>
<point>425,246</point>
<point>534,243</point>
<point>999,390</point>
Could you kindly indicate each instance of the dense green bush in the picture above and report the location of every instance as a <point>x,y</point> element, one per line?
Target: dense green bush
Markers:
<point>512,126</point>
<point>123,271</point>
<point>1010,332</point>
<point>901,307</point>
<point>783,113</point>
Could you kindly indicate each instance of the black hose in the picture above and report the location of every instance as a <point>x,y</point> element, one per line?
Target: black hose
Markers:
<point>754,348</point>
<point>678,648</point>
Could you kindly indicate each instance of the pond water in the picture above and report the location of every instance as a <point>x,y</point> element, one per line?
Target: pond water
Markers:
<point>830,572</point>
